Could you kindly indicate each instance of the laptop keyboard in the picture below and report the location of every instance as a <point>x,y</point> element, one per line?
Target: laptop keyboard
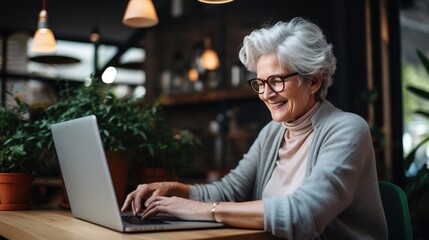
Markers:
<point>137,220</point>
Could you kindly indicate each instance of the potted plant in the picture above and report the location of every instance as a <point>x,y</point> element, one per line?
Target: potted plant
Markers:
<point>133,130</point>
<point>174,155</point>
<point>20,156</point>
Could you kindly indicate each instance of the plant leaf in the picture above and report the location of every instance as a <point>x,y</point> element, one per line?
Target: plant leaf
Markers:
<point>410,158</point>
<point>422,112</point>
<point>419,92</point>
<point>424,60</point>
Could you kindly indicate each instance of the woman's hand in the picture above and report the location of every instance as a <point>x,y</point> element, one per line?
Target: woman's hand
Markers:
<point>243,214</point>
<point>149,192</point>
<point>178,207</point>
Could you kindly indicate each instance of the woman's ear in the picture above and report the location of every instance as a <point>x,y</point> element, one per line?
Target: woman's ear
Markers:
<point>316,82</point>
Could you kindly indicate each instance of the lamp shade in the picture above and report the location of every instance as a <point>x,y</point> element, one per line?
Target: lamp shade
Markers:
<point>44,40</point>
<point>140,14</point>
<point>209,59</point>
<point>215,1</point>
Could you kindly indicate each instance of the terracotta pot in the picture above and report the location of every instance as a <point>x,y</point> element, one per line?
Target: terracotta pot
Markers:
<point>118,167</point>
<point>14,191</point>
<point>150,175</point>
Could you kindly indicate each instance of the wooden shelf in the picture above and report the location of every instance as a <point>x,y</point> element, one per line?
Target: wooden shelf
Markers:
<point>208,96</point>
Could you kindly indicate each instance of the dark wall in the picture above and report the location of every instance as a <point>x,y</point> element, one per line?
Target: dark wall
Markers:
<point>342,21</point>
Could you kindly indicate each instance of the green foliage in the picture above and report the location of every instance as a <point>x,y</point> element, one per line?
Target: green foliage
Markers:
<point>417,187</point>
<point>415,90</point>
<point>175,151</point>
<point>19,151</point>
<point>130,126</point>
<point>424,96</point>
<point>133,127</point>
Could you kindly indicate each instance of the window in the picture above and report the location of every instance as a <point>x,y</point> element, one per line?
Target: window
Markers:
<point>84,54</point>
<point>414,19</point>
<point>29,74</point>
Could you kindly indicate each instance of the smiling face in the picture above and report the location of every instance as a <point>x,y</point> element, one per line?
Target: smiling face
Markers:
<point>295,99</point>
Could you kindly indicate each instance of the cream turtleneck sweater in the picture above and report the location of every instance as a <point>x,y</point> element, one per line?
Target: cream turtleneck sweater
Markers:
<point>290,168</point>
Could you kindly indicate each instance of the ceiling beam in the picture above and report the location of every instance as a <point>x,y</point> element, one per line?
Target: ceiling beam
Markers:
<point>114,61</point>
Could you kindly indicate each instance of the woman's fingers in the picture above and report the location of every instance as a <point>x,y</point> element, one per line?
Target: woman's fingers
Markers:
<point>178,207</point>
<point>154,207</point>
<point>154,197</point>
<point>128,201</point>
<point>149,193</point>
<point>133,208</point>
<point>134,199</point>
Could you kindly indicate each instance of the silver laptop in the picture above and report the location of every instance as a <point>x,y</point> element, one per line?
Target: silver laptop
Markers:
<point>89,186</point>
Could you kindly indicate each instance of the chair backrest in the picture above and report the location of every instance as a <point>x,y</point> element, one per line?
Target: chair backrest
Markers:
<point>395,206</point>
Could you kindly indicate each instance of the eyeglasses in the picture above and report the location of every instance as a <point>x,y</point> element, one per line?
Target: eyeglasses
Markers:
<point>275,83</point>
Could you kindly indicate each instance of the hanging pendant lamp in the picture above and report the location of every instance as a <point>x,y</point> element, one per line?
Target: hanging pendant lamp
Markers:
<point>44,40</point>
<point>209,59</point>
<point>215,1</point>
<point>140,14</point>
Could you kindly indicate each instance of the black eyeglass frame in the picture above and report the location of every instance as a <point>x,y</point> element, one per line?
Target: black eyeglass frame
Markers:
<point>283,78</point>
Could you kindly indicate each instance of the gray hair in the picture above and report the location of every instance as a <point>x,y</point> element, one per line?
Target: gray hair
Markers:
<point>299,44</point>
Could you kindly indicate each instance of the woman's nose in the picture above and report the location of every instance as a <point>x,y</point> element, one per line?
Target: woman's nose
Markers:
<point>267,92</point>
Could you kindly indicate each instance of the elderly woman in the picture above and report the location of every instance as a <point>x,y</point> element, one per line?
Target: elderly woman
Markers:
<point>311,171</point>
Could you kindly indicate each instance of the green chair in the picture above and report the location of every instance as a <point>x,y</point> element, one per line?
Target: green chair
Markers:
<point>395,206</point>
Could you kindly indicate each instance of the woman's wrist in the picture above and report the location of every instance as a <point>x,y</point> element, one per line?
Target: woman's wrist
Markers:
<point>180,190</point>
<point>215,218</point>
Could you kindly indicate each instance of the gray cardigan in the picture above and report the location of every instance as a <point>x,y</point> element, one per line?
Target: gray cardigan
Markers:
<point>339,198</point>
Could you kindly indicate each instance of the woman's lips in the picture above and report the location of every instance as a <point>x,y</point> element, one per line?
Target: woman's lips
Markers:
<point>278,104</point>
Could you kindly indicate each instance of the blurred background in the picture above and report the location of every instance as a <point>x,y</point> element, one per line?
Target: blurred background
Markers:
<point>375,43</point>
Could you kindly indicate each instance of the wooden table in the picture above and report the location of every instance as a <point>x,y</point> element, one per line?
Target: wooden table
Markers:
<point>60,224</point>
